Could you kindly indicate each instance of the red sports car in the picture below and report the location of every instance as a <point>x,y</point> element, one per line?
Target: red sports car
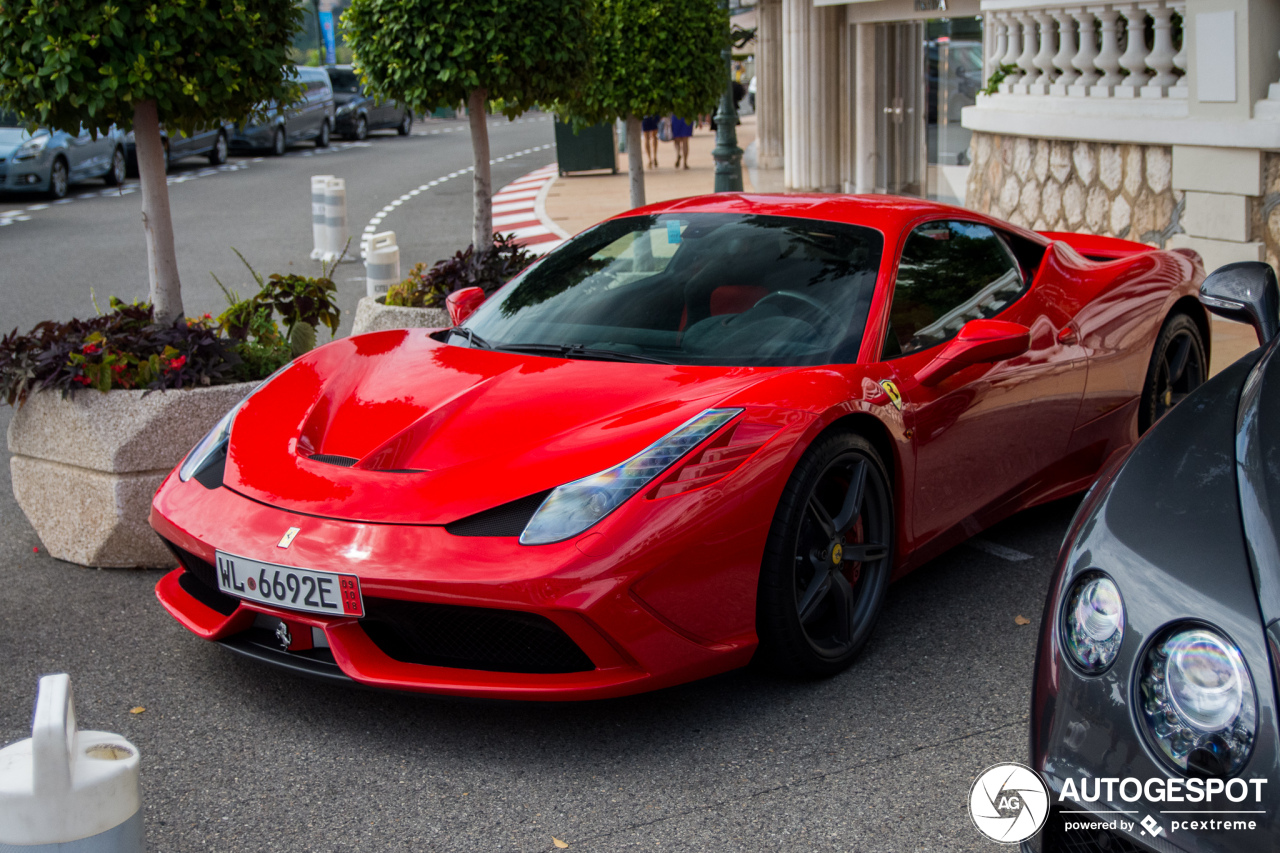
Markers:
<point>701,432</point>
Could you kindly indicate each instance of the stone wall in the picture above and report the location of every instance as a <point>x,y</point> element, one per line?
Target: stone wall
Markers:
<point>1266,210</point>
<point>1091,187</point>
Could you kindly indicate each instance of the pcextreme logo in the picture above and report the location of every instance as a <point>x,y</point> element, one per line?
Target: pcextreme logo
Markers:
<point>1009,802</point>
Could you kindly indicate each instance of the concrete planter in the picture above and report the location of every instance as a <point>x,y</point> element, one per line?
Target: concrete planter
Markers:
<point>373,316</point>
<point>85,468</point>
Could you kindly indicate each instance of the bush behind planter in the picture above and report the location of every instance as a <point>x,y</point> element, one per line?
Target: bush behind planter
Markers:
<point>488,269</point>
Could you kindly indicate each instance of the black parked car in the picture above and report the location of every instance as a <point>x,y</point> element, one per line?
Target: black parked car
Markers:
<point>357,113</point>
<point>1154,712</point>
<point>212,143</point>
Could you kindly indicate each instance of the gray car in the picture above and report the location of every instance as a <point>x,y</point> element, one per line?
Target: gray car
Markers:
<point>49,161</point>
<point>1154,717</point>
<point>309,119</point>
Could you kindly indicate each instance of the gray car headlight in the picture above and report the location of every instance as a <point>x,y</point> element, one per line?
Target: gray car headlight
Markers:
<point>573,507</point>
<point>32,147</point>
<point>1093,622</point>
<point>1198,701</point>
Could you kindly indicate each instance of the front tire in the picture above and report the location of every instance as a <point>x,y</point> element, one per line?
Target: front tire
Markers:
<point>406,124</point>
<point>362,129</point>
<point>218,154</point>
<point>322,141</point>
<point>827,559</point>
<point>58,180</point>
<point>116,174</point>
<point>278,145</point>
<point>1179,365</point>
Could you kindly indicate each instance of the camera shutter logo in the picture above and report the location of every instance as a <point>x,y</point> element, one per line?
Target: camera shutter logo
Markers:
<point>1009,803</point>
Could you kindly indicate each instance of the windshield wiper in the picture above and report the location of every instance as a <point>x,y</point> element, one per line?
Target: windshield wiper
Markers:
<point>472,338</point>
<point>579,351</point>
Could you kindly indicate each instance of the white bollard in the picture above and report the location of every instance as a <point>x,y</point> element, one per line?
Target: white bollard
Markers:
<point>335,217</point>
<point>68,790</point>
<point>382,264</point>
<point>319,230</point>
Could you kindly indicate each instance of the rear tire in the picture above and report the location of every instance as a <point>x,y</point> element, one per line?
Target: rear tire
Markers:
<point>362,129</point>
<point>278,144</point>
<point>406,124</point>
<point>322,141</point>
<point>1179,365</point>
<point>824,577</point>
<point>116,174</point>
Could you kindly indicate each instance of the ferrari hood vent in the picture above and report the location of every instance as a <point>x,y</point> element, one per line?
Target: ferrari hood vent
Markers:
<point>332,459</point>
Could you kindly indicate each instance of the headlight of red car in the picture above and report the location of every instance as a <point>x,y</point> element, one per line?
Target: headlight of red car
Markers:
<point>574,507</point>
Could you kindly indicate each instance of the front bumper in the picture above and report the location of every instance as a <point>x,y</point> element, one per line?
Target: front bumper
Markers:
<point>645,602</point>
<point>25,175</point>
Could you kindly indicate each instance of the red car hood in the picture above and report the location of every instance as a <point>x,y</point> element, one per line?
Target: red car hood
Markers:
<point>440,432</point>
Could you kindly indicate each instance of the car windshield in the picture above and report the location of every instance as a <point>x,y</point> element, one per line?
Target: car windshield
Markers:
<point>345,81</point>
<point>12,128</point>
<point>692,288</point>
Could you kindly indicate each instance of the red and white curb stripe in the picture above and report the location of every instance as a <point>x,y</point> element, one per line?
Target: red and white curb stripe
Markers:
<point>519,209</point>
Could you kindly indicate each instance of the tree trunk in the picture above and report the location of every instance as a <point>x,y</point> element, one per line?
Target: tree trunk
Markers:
<point>635,160</point>
<point>162,260</point>
<point>482,230</point>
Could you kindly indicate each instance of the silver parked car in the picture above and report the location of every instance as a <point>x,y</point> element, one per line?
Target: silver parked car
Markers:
<point>49,161</point>
<point>310,118</point>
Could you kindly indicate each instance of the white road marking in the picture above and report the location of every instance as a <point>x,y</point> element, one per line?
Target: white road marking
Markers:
<point>1002,551</point>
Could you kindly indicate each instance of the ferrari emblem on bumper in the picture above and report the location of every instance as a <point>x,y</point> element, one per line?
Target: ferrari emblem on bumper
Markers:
<point>287,539</point>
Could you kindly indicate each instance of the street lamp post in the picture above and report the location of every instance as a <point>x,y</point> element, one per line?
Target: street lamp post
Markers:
<point>727,154</point>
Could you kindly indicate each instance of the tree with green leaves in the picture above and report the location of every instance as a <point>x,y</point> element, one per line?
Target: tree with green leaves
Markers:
<point>136,63</point>
<point>435,53</point>
<point>651,57</point>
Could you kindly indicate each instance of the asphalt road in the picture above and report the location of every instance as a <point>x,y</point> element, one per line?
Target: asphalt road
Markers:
<point>239,757</point>
<point>54,262</point>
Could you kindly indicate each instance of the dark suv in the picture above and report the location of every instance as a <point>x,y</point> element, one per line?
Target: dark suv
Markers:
<point>310,118</point>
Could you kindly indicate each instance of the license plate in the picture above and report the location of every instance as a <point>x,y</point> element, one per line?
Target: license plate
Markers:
<point>290,587</point>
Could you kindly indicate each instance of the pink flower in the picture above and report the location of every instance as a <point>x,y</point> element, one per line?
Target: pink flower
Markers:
<point>177,363</point>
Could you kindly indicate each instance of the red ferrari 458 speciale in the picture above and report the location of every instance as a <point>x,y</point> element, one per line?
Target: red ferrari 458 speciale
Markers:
<point>700,432</point>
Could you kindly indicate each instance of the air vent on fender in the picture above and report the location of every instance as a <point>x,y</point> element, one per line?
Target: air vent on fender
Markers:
<point>331,459</point>
<point>716,459</point>
<point>509,519</point>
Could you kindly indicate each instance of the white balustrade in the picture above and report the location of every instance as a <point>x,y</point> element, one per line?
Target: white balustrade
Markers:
<point>1044,58</point>
<point>1134,59</point>
<point>1062,60</point>
<point>1080,51</point>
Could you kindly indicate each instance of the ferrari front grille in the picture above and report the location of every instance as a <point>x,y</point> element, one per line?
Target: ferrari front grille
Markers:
<point>470,637</point>
<point>509,519</point>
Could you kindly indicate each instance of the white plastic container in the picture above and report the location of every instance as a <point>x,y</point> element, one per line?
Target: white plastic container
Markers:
<point>319,230</point>
<point>381,264</point>
<point>68,790</point>
<point>335,218</point>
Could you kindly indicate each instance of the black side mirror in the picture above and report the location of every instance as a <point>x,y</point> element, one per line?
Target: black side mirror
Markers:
<point>1247,293</point>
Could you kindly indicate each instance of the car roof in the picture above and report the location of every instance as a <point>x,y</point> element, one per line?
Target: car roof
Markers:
<point>888,213</point>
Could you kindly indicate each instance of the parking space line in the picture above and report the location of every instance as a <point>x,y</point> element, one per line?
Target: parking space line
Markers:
<point>1002,551</point>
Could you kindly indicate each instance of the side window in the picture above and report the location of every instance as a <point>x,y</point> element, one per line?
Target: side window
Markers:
<point>951,272</point>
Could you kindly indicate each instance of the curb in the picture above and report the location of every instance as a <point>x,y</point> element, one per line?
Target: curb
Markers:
<point>519,209</point>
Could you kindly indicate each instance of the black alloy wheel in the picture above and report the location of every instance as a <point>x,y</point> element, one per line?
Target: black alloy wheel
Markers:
<point>827,559</point>
<point>322,141</point>
<point>218,153</point>
<point>406,124</point>
<point>362,128</point>
<point>58,181</point>
<point>116,174</point>
<point>1178,366</point>
<point>278,145</point>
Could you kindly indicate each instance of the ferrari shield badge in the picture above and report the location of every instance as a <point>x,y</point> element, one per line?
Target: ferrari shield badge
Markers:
<point>287,539</point>
<point>895,396</point>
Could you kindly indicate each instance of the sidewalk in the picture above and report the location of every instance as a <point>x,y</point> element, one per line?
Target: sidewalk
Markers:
<point>576,202</point>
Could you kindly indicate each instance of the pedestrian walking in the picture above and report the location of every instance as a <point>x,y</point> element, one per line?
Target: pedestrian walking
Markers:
<point>681,130</point>
<point>649,126</point>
